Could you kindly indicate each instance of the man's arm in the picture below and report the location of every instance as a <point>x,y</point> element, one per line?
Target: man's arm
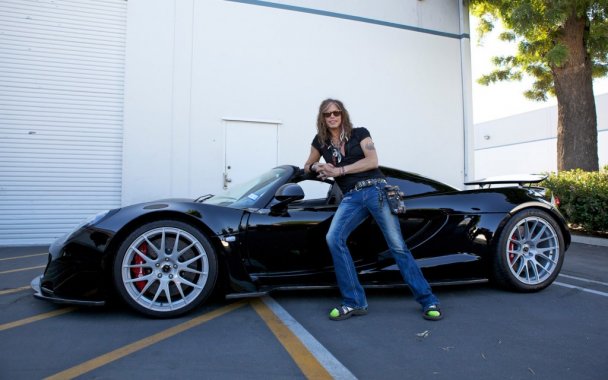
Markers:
<point>313,159</point>
<point>369,162</point>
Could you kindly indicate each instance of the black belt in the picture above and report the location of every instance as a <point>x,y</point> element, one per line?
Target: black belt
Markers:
<point>368,182</point>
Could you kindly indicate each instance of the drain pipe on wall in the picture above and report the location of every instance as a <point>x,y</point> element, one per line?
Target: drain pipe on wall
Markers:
<point>467,92</point>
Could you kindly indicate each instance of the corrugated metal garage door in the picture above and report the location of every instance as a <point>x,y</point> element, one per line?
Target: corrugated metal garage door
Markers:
<point>61,103</point>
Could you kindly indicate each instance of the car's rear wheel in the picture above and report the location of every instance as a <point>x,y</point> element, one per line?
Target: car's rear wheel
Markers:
<point>165,269</point>
<point>530,251</point>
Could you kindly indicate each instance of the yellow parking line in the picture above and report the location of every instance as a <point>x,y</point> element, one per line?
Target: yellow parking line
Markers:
<point>21,269</point>
<point>309,365</point>
<point>22,257</point>
<point>36,318</point>
<point>119,353</point>
<point>15,290</point>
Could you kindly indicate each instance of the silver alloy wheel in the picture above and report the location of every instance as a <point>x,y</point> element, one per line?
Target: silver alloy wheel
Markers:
<point>165,269</point>
<point>533,250</point>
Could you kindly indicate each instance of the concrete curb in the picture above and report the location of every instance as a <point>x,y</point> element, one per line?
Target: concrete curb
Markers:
<point>590,240</point>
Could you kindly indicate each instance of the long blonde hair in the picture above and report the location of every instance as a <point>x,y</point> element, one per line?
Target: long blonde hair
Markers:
<point>323,131</point>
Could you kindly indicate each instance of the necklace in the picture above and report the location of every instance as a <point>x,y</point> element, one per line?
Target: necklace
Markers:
<point>340,140</point>
<point>336,150</point>
<point>337,142</point>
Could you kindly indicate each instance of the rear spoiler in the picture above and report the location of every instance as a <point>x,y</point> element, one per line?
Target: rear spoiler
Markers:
<point>519,179</point>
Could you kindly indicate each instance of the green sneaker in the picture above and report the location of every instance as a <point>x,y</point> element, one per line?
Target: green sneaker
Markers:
<point>432,313</point>
<point>343,312</point>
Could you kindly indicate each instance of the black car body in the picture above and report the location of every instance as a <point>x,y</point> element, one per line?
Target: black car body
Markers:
<point>164,258</point>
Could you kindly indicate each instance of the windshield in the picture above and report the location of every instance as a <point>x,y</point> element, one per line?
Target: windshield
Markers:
<point>245,194</point>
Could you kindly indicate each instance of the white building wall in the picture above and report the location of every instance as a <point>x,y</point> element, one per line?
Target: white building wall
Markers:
<point>193,64</point>
<point>192,70</point>
<point>527,143</point>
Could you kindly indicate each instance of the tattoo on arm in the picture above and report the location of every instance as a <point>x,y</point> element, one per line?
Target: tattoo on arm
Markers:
<point>370,146</point>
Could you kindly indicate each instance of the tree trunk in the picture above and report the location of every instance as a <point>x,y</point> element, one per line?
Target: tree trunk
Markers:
<point>577,120</point>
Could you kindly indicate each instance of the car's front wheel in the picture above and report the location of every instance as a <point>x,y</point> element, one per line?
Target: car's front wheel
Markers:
<point>530,251</point>
<point>165,268</point>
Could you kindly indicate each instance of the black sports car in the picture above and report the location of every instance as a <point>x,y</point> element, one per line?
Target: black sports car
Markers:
<point>165,258</point>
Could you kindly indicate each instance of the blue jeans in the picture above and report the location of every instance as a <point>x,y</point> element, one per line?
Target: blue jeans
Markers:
<point>356,206</point>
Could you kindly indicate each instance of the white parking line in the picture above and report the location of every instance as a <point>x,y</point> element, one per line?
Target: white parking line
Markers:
<point>336,369</point>
<point>584,280</point>
<point>582,289</point>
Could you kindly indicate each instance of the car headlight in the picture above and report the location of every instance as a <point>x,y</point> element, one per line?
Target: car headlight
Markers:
<point>87,222</point>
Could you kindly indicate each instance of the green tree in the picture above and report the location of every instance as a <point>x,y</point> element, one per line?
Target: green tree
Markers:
<point>562,45</point>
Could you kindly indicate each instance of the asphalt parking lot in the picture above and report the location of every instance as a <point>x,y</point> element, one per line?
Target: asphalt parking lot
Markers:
<point>559,333</point>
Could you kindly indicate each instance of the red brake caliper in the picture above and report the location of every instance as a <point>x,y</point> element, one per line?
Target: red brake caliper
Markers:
<point>139,271</point>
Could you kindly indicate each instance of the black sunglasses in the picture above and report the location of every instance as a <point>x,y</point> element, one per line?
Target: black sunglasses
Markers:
<point>335,113</point>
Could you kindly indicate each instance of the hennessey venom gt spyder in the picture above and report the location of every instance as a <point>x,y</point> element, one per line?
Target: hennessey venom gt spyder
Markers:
<point>165,258</point>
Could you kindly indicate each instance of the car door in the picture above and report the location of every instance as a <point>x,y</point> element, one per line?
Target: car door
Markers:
<point>422,220</point>
<point>290,247</point>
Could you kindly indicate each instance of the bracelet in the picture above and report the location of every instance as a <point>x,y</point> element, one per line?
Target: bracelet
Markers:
<point>310,167</point>
<point>342,171</point>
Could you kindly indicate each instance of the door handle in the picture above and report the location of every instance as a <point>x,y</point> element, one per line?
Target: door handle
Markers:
<point>227,180</point>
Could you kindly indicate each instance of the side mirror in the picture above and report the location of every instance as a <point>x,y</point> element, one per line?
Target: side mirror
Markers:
<point>289,192</point>
<point>285,194</point>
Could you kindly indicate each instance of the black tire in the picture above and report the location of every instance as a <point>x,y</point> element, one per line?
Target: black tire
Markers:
<point>154,279</point>
<point>530,252</point>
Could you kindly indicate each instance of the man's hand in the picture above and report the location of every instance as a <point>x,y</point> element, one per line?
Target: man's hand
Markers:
<point>325,171</point>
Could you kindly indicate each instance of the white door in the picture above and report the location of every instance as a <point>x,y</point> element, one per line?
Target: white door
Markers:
<point>251,149</point>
